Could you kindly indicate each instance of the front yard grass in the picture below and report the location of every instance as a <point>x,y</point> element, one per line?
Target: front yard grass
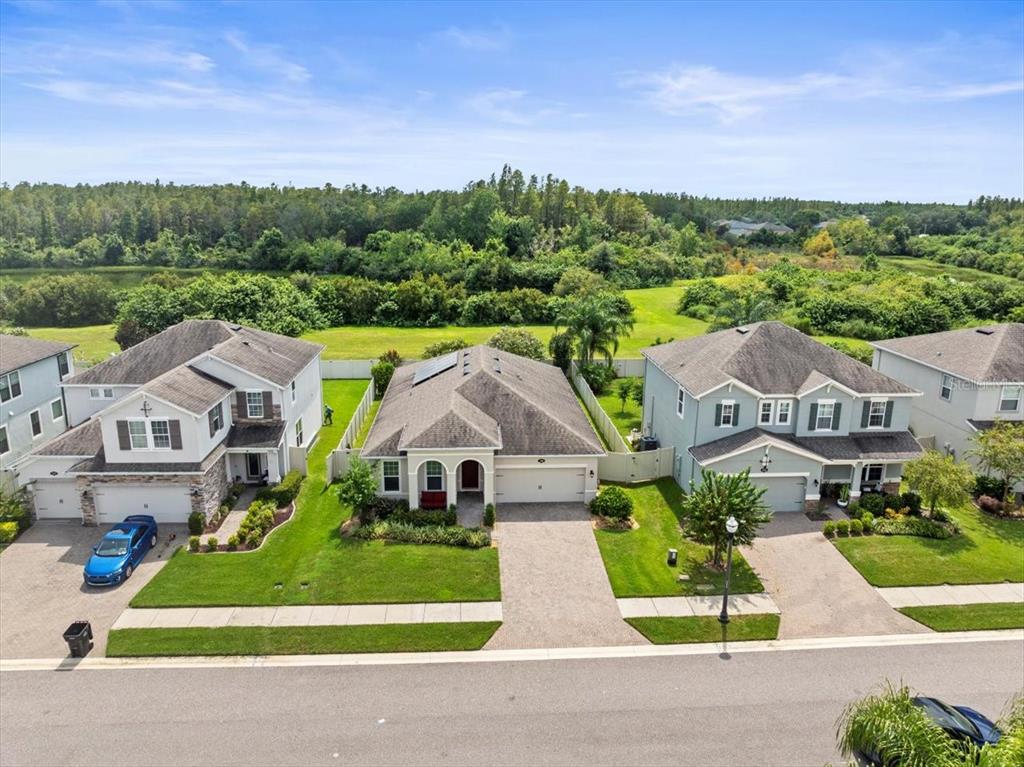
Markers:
<point>636,559</point>
<point>980,617</point>
<point>299,640</point>
<point>989,550</point>
<point>741,628</point>
<point>308,562</point>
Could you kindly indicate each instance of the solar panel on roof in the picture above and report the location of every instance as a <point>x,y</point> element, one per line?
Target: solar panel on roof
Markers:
<point>433,367</point>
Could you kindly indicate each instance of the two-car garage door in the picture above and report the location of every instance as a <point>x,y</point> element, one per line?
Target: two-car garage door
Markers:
<point>167,503</point>
<point>556,484</point>
<point>783,493</point>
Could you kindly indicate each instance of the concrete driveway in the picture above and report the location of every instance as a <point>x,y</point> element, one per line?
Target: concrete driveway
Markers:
<point>819,593</point>
<point>41,588</point>
<point>554,588</point>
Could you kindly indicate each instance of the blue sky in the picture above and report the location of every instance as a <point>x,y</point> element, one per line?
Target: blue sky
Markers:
<point>915,101</point>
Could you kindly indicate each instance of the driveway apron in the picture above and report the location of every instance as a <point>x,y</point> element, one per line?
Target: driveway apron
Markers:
<point>819,593</point>
<point>554,589</point>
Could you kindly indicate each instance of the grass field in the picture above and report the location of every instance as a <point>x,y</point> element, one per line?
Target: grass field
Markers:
<point>308,562</point>
<point>299,640</point>
<point>626,417</point>
<point>740,628</point>
<point>981,617</point>
<point>95,342</point>
<point>636,559</point>
<point>989,551</point>
<point>928,268</point>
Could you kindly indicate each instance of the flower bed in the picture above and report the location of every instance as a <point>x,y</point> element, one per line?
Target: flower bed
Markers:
<point>241,543</point>
<point>401,532</point>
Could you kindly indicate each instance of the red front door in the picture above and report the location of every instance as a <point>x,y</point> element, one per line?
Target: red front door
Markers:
<point>471,475</point>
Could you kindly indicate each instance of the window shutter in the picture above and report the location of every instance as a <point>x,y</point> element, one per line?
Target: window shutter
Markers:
<point>209,417</point>
<point>268,405</point>
<point>718,415</point>
<point>812,421</point>
<point>124,440</point>
<point>174,427</point>
<point>736,414</point>
<point>240,406</point>
<point>888,414</point>
<point>865,415</point>
<point>835,415</point>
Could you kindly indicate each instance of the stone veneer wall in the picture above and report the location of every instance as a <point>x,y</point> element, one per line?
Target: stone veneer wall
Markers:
<point>891,488</point>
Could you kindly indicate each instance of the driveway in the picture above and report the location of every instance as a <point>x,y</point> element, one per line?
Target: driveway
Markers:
<point>818,591</point>
<point>41,588</point>
<point>554,589</point>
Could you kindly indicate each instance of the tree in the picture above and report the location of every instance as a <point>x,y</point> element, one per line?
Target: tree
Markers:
<point>751,305</point>
<point>820,246</point>
<point>381,373</point>
<point>624,390</point>
<point>939,479</point>
<point>637,393</point>
<point>444,347</point>
<point>358,488</point>
<point>595,322</point>
<point>518,341</point>
<point>561,347</point>
<point>718,497</point>
<point>1001,450</point>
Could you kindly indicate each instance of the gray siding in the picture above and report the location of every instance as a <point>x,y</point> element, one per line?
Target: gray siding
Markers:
<point>40,385</point>
<point>662,422</point>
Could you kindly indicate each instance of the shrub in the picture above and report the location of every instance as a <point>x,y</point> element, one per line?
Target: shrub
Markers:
<point>518,341</point>
<point>398,532</point>
<point>990,504</point>
<point>196,523</point>
<point>489,515</point>
<point>843,527</point>
<point>828,529</point>
<point>381,373</point>
<point>8,531</point>
<point>358,488</point>
<point>211,543</point>
<point>919,526</point>
<point>445,347</point>
<point>424,517</point>
<point>856,527</point>
<point>868,520</point>
<point>873,502</point>
<point>233,542</point>
<point>257,522</point>
<point>383,507</point>
<point>911,502</point>
<point>855,510</point>
<point>14,507</point>
<point>597,376</point>
<point>991,486</point>
<point>612,502</point>
<point>193,543</point>
<point>285,491</point>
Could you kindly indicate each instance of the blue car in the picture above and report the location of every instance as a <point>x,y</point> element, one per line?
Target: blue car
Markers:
<point>115,558</point>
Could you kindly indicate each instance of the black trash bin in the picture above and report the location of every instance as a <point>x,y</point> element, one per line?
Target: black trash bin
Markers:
<point>79,638</point>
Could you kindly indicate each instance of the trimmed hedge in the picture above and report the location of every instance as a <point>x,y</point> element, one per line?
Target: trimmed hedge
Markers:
<point>612,502</point>
<point>919,526</point>
<point>285,491</point>
<point>398,532</point>
<point>424,517</point>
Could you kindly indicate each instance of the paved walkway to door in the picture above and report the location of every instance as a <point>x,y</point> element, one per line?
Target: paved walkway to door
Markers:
<point>819,593</point>
<point>554,589</point>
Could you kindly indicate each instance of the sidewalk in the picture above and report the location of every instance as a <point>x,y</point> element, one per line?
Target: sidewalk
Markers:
<point>982,593</point>
<point>308,615</point>
<point>684,607</point>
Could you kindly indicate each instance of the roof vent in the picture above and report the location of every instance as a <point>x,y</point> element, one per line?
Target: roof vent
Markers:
<point>984,331</point>
<point>236,327</point>
<point>497,365</point>
<point>743,330</point>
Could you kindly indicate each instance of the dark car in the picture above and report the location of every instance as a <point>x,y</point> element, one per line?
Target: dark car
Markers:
<point>120,551</point>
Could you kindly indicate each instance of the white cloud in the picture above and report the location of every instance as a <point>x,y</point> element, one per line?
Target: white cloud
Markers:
<point>482,40</point>
<point>509,105</point>
<point>267,58</point>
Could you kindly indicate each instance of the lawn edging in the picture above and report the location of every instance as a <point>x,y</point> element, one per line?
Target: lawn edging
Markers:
<point>703,629</point>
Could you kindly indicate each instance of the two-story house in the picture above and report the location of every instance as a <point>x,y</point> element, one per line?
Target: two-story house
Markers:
<point>31,406</point>
<point>164,427</point>
<point>969,378</point>
<point>770,399</point>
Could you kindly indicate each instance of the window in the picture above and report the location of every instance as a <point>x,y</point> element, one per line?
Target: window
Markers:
<point>62,365</point>
<point>824,419</point>
<point>57,409</point>
<point>1009,400</point>
<point>36,422</point>
<point>392,481</point>
<point>876,415</point>
<point>5,445</point>
<point>293,391</point>
<point>680,403</point>
<point>298,432</point>
<point>782,418</point>
<point>872,473</point>
<point>946,390</point>
<point>161,435</point>
<point>10,386</point>
<point>254,404</point>
<point>435,476</point>
<point>216,418</point>
<point>101,394</point>
<point>137,434</point>
<point>765,415</point>
<point>728,409</point>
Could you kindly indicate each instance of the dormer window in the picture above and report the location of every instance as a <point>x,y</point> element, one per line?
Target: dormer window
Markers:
<point>1009,399</point>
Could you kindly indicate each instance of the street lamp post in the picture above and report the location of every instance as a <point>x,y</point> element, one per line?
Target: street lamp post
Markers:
<point>731,526</point>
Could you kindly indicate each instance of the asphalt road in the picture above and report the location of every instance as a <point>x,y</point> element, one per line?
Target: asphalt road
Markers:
<point>776,708</point>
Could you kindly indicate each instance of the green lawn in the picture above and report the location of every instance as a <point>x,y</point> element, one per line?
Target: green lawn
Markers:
<point>704,629</point>
<point>367,423</point>
<point>95,342</point>
<point>980,617</point>
<point>299,640</point>
<point>625,418</point>
<point>636,559</point>
<point>928,268</point>
<point>989,551</point>
<point>308,562</point>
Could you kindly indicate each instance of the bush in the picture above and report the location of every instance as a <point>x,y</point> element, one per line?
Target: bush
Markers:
<point>196,523</point>
<point>873,502</point>
<point>843,527</point>
<point>381,373</point>
<point>612,502</point>
<point>193,543</point>
<point>868,520</point>
<point>233,542</point>
<point>398,532</point>
<point>14,507</point>
<point>991,486</point>
<point>919,526</point>
<point>445,347</point>
<point>910,501</point>
<point>856,527</point>
<point>257,522</point>
<point>597,376</point>
<point>285,491</point>
<point>424,517</point>
<point>489,515</point>
<point>828,529</point>
<point>8,531</point>
<point>211,543</point>
<point>383,507</point>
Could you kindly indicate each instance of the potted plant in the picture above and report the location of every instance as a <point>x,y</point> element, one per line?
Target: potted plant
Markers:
<point>844,496</point>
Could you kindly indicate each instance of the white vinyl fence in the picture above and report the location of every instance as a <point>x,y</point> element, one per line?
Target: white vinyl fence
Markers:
<point>338,460</point>
<point>636,467</point>
<point>601,420</point>
<point>345,368</point>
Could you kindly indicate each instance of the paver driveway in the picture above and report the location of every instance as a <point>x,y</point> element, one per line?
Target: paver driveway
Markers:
<point>554,588</point>
<point>41,588</point>
<point>819,593</point>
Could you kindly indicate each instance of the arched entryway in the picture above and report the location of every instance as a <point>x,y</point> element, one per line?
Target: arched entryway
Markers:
<point>469,477</point>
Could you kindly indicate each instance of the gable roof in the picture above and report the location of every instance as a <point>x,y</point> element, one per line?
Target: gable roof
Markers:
<point>84,439</point>
<point>18,351</point>
<point>768,357</point>
<point>490,399</point>
<point>189,388</point>
<point>991,354</point>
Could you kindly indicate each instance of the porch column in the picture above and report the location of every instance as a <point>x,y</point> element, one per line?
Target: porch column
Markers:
<point>413,484</point>
<point>273,469</point>
<point>488,480</point>
<point>453,487</point>
<point>855,480</point>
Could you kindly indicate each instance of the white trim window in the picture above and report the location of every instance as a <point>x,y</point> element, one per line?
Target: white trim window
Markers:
<point>36,423</point>
<point>728,410</point>
<point>217,417</point>
<point>435,475</point>
<point>5,444</point>
<point>680,402</point>
<point>63,366</point>
<point>785,410</point>
<point>298,432</point>
<point>1009,399</point>
<point>57,409</point>
<point>101,393</point>
<point>161,431</point>
<point>137,435</point>
<point>254,404</point>
<point>946,388</point>
<point>10,386</point>
<point>876,414</point>
<point>391,472</point>
<point>293,391</point>
<point>766,412</point>
<point>873,472</point>
<point>826,410</point>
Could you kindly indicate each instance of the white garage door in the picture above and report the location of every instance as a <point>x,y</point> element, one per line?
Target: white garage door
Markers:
<point>168,503</point>
<point>538,485</point>
<point>783,493</point>
<point>56,499</point>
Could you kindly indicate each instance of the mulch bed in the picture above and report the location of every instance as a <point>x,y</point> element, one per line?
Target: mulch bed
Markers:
<point>280,517</point>
<point>620,525</point>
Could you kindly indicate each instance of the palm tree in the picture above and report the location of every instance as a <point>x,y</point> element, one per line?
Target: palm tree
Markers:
<point>596,322</point>
<point>750,306</point>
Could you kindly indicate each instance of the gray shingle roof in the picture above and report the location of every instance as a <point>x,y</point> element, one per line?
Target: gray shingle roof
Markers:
<point>19,351</point>
<point>770,357</point>
<point>189,388</point>
<point>528,408</point>
<point>890,446</point>
<point>267,355</point>
<point>97,464</point>
<point>84,439</point>
<point>991,354</point>
<point>255,434</point>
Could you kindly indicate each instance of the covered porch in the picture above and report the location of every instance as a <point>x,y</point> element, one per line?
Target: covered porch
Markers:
<point>866,476</point>
<point>441,479</point>
<point>255,453</point>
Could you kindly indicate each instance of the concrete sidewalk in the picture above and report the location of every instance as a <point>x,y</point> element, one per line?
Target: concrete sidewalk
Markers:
<point>981,593</point>
<point>685,607</point>
<point>309,615</point>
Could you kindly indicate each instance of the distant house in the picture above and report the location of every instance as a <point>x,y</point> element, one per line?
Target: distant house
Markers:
<point>742,227</point>
<point>165,426</point>
<point>482,423</point>
<point>31,406</point>
<point>770,399</point>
